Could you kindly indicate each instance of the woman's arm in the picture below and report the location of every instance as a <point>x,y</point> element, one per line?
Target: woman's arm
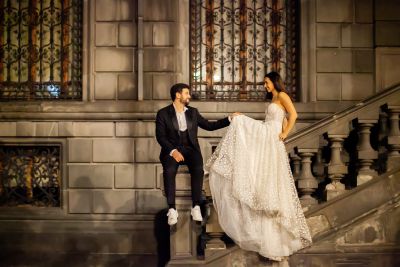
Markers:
<point>288,104</point>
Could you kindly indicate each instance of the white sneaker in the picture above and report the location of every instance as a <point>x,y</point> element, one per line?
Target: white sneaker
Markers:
<point>172,216</point>
<point>196,213</point>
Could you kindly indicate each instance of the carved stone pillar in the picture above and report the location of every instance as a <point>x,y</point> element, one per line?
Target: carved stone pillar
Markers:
<point>319,167</point>
<point>366,154</point>
<point>307,183</point>
<point>184,235</point>
<point>296,162</point>
<point>393,138</point>
<point>213,229</point>
<point>336,167</point>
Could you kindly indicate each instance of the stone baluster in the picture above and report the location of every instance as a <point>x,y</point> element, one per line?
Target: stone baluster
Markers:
<point>184,235</point>
<point>306,182</point>
<point>213,229</point>
<point>319,163</point>
<point>336,168</point>
<point>365,153</point>
<point>393,138</point>
<point>296,163</point>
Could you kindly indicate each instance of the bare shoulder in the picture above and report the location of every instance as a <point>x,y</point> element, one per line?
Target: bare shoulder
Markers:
<point>283,96</point>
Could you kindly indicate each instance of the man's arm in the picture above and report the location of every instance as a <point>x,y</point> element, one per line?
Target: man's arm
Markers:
<point>161,133</point>
<point>211,125</point>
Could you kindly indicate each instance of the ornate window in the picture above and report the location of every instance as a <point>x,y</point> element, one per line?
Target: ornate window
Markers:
<point>40,49</point>
<point>30,175</point>
<point>234,43</point>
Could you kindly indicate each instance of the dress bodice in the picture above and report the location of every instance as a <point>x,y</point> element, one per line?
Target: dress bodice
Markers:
<point>274,113</point>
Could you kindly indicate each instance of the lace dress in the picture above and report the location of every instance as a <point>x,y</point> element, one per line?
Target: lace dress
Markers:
<point>253,188</point>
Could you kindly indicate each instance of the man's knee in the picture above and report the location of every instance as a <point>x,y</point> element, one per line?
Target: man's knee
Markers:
<point>170,172</point>
<point>198,171</point>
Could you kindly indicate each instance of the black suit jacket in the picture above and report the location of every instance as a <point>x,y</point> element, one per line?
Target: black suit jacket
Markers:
<point>167,128</point>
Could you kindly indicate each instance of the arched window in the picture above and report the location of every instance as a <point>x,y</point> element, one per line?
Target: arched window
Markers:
<point>234,43</point>
<point>40,49</point>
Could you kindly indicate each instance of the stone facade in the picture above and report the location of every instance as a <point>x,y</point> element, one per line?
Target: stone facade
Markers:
<point>111,172</point>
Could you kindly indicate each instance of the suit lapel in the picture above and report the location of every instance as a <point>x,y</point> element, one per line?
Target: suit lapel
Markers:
<point>172,114</point>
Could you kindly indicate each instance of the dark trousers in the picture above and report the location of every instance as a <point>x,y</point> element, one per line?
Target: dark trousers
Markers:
<point>194,161</point>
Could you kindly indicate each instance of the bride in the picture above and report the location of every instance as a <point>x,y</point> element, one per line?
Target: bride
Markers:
<point>252,184</point>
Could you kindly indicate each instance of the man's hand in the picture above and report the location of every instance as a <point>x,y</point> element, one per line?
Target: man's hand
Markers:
<point>177,156</point>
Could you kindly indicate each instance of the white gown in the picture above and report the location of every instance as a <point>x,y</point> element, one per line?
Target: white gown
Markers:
<point>253,188</point>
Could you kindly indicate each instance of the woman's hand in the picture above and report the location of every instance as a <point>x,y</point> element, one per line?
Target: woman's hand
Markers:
<point>282,136</point>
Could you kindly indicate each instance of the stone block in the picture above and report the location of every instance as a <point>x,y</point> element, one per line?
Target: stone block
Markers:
<point>162,84</point>
<point>148,86</point>
<point>150,201</point>
<point>328,86</point>
<point>124,176</point>
<point>8,129</point>
<point>136,129</point>
<point>44,129</point>
<point>65,128</point>
<point>111,10</point>
<point>147,33</point>
<point>159,59</point>
<point>364,61</point>
<point>155,10</point>
<point>93,129</point>
<point>147,150</point>
<point>114,201</point>
<point>334,60</point>
<point>26,128</point>
<point>105,86</point>
<point>79,150</point>
<point>127,34</point>
<point>387,10</point>
<point>80,201</point>
<point>145,176</point>
<point>334,11</point>
<point>127,88</point>
<point>387,33</point>
<point>105,34</point>
<point>90,176</point>
<point>113,150</point>
<point>357,35</point>
<point>328,34</point>
<point>364,11</point>
<point>357,86</point>
<point>113,59</point>
<point>164,34</point>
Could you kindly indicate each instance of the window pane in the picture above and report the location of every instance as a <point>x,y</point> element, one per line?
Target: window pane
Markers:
<point>40,49</point>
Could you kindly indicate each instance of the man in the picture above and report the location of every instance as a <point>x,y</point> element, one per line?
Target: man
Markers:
<point>176,132</point>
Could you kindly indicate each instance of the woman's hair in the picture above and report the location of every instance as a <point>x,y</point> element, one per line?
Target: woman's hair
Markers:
<point>276,80</point>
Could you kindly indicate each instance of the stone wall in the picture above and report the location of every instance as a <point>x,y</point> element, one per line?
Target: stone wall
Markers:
<point>111,174</point>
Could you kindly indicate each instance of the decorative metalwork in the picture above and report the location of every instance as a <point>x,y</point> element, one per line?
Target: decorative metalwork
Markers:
<point>40,49</point>
<point>30,175</point>
<point>235,43</point>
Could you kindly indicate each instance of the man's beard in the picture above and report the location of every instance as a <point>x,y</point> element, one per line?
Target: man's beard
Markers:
<point>185,102</point>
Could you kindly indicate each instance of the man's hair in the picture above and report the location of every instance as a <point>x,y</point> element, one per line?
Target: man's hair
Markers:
<point>177,88</point>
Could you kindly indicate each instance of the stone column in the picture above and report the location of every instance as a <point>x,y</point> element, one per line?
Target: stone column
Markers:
<point>307,183</point>
<point>296,162</point>
<point>366,154</point>
<point>184,235</point>
<point>213,229</point>
<point>336,167</point>
<point>393,138</point>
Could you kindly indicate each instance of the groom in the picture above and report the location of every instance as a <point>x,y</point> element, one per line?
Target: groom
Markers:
<point>176,132</point>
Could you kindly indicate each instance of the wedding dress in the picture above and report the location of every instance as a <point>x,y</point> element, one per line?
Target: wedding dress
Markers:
<point>253,189</point>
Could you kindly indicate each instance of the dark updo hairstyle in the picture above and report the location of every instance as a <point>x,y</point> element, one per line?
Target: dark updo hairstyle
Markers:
<point>276,79</point>
<point>178,88</point>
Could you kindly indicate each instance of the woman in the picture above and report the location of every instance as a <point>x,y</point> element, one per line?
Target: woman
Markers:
<point>251,182</point>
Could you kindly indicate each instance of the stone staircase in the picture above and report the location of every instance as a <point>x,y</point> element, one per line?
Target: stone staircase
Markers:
<point>347,172</point>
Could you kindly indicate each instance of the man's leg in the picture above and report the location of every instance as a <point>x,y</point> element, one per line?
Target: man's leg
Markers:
<point>194,161</point>
<point>170,167</point>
